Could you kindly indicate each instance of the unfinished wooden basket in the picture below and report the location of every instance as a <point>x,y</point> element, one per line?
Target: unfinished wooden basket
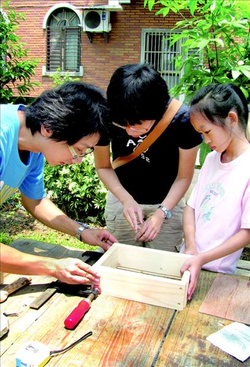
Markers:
<point>144,275</point>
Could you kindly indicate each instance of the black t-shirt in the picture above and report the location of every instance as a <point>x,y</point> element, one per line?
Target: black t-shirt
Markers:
<point>149,177</point>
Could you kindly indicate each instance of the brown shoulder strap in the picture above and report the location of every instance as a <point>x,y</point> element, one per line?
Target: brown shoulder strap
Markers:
<point>168,116</point>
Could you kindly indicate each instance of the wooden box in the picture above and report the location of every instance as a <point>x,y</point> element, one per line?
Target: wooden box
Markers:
<point>144,275</point>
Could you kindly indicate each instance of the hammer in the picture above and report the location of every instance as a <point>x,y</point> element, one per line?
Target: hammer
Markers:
<point>89,257</point>
<point>12,287</point>
<point>79,311</point>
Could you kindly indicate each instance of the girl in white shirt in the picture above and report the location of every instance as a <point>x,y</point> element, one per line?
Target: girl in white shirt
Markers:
<point>216,219</point>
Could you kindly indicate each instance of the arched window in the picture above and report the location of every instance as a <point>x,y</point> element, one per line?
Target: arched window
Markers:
<point>63,41</point>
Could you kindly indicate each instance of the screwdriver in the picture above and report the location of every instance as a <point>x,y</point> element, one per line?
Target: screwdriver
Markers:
<point>79,311</point>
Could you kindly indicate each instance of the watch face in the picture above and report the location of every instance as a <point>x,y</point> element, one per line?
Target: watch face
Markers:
<point>168,214</point>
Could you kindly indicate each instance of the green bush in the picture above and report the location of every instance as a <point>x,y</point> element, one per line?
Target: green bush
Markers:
<point>60,77</point>
<point>77,190</point>
<point>16,68</point>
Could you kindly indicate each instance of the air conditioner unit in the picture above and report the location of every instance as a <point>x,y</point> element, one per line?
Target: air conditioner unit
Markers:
<point>96,20</point>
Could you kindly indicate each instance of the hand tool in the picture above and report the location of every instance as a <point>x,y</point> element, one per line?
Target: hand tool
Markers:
<point>79,311</point>
<point>36,354</point>
<point>89,257</point>
<point>80,290</point>
<point>12,287</point>
<point>4,325</point>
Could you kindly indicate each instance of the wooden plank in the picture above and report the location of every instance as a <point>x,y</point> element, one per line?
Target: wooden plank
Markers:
<point>144,275</point>
<point>148,272</point>
<point>243,264</point>
<point>46,295</point>
<point>185,343</point>
<point>243,268</point>
<point>243,272</point>
<point>229,298</point>
<point>19,302</point>
<point>143,259</point>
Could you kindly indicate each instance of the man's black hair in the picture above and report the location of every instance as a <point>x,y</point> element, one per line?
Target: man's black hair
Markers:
<point>136,92</point>
<point>71,111</point>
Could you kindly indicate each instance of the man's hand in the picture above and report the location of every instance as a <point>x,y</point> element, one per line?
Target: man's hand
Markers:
<point>68,270</point>
<point>75,271</point>
<point>98,237</point>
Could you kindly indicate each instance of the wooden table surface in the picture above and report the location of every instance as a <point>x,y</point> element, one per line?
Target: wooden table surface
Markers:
<point>125,333</point>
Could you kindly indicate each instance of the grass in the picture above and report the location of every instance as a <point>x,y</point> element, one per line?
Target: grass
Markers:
<point>16,223</point>
<point>50,237</point>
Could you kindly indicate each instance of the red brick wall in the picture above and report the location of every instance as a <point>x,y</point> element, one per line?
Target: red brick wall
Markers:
<point>99,59</point>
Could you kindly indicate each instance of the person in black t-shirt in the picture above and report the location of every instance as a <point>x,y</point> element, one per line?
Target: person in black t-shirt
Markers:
<point>145,201</point>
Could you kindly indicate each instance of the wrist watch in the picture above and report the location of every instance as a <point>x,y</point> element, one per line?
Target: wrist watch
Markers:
<point>79,232</point>
<point>167,213</point>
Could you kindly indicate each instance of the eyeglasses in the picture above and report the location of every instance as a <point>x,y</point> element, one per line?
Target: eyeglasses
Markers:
<point>74,154</point>
<point>135,129</point>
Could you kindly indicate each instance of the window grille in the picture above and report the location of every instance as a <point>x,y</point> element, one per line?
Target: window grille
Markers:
<point>156,50</point>
<point>63,41</point>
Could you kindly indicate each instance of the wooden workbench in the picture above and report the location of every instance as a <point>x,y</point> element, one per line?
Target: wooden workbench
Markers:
<point>125,333</point>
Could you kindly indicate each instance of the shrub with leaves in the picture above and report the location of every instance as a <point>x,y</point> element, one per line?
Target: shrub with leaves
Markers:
<point>77,190</point>
<point>15,69</point>
<point>60,77</point>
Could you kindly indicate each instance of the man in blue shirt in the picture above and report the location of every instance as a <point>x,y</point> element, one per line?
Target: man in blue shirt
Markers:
<point>62,125</point>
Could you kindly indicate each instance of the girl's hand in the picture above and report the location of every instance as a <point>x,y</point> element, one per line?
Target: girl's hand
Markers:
<point>194,265</point>
<point>150,228</point>
<point>133,213</point>
<point>190,250</point>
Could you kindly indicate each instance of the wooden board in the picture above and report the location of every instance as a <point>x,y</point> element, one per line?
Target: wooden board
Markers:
<point>125,333</point>
<point>229,298</point>
<point>144,275</point>
<point>186,343</point>
<point>243,268</point>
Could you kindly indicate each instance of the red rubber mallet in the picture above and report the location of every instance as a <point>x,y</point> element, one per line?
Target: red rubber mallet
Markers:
<point>79,311</point>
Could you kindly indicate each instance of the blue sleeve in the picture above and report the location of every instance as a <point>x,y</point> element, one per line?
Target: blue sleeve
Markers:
<point>33,184</point>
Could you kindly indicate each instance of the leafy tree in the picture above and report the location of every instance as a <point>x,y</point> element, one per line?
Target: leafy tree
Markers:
<point>15,70</point>
<point>214,37</point>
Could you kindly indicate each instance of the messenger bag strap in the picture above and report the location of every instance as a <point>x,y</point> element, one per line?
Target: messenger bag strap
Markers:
<point>168,116</point>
